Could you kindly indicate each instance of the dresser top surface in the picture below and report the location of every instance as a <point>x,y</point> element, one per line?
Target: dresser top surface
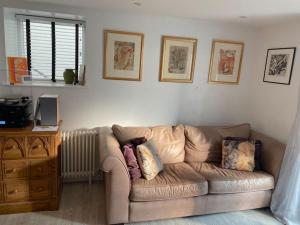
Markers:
<point>28,130</point>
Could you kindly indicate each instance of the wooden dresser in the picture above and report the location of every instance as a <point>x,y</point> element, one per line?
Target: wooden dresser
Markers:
<point>30,170</point>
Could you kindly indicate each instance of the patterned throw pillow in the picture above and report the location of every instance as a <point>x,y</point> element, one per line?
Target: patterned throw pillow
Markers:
<point>149,160</point>
<point>131,161</point>
<point>238,154</point>
<point>129,152</point>
<point>258,149</point>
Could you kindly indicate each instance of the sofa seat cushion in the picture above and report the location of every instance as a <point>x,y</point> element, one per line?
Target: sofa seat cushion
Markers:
<point>221,181</point>
<point>177,180</point>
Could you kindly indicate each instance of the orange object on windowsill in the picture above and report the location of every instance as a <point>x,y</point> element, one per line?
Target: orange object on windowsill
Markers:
<point>17,68</point>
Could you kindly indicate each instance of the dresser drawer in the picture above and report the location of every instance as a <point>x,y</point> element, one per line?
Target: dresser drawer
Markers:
<point>13,148</point>
<point>15,169</point>
<point>39,147</point>
<point>16,191</point>
<point>39,168</point>
<point>39,189</point>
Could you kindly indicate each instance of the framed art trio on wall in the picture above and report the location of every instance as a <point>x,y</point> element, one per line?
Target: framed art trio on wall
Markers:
<point>123,59</point>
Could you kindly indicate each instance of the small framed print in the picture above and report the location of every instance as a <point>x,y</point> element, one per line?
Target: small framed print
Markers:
<point>225,62</point>
<point>279,65</point>
<point>123,55</point>
<point>177,61</point>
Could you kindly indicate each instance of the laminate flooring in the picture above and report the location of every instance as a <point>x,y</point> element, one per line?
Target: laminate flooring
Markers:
<point>248,217</point>
<point>81,204</point>
<point>84,204</point>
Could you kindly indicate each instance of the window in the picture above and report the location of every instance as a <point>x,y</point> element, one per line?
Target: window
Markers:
<point>51,46</point>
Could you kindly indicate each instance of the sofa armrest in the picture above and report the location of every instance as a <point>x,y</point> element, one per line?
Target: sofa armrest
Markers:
<point>117,179</point>
<point>272,153</point>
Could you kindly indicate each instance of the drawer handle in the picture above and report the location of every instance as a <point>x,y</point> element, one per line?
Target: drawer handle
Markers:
<point>13,192</point>
<point>39,189</point>
<point>36,146</point>
<point>10,148</point>
<point>11,170</point>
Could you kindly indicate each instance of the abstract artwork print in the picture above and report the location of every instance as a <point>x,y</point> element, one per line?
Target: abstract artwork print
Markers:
<point>124,55</point>
<point>178,59</point>
<point>226,61</point>
<point>279,65</point>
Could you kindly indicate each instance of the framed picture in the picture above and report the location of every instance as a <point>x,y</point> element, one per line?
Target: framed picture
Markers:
<point>279,65</point>
<point>225,62</point>
<point>123,55</point>
<point>177,61</point>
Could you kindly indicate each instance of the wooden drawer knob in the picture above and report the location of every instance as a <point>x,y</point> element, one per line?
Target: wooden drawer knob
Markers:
<point>11,170</point>
<point>10,148</point>
<point>36,146</point>
<point>39,189</point>
<point>13,192</point>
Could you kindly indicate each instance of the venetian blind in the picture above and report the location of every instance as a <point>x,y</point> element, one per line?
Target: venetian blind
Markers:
<point>51,46</point>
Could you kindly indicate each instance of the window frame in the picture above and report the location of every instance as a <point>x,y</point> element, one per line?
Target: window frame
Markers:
<point>77,23</point>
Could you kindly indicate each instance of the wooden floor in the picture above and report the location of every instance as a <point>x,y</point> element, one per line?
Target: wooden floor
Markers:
<point>81,204</point>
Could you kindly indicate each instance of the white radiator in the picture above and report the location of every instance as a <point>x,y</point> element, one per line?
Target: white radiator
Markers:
<point>78,154</point>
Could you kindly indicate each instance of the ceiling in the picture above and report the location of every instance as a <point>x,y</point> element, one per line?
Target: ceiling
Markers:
<point>259,13</point>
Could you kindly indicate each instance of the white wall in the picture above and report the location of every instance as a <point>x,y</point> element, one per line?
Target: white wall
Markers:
<point>149,102</point>
<point>204,103</point>
<point>11,29</point>
<point>2,50</point>
<point>274,105</point>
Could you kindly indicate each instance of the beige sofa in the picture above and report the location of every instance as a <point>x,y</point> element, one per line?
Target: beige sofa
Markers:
<point>192,183</point>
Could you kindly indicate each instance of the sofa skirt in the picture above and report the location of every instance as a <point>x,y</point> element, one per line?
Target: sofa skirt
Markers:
<point>201,205</point>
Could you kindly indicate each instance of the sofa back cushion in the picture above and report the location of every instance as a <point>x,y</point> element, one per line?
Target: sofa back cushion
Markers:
<point>242,130</point>
<point>169,140</point>
<point>204,143</point>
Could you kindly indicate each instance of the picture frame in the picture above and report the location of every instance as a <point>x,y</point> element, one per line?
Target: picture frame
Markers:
<point>177,60</point>
<point>279,65</point>
<point>123,55</point>
<point>225,61</point>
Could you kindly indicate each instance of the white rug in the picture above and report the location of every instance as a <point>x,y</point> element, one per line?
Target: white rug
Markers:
<point>249,217</point>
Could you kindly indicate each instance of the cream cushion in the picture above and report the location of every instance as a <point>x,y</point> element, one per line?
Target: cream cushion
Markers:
<point>148,159</point>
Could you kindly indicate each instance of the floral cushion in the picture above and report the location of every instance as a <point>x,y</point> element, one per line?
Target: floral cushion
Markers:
<point>149,160</point>
<point>238,154</point>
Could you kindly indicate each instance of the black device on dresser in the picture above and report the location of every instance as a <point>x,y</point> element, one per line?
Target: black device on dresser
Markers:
<point>15,112</point>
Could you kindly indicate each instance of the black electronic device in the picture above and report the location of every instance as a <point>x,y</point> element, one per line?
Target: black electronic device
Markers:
<point>15,112</point>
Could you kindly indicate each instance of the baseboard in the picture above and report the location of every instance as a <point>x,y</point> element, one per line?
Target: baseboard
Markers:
<point>82,179</point>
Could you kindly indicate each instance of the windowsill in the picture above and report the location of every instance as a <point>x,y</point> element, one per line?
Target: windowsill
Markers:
<point>43,84</point>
